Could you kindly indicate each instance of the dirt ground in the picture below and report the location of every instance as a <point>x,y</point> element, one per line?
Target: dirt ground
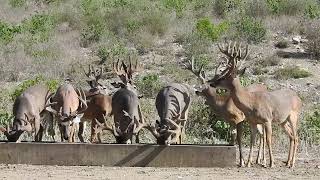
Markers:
<point>306,168</point>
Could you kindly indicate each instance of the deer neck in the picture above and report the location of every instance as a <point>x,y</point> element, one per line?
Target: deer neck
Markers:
<point>241,98</point>
<point>216,101</point>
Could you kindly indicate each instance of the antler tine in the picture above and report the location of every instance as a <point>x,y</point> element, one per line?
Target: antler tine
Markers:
<point>200,73</point>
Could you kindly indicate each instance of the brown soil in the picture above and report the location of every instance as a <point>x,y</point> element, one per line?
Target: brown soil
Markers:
<point>306,168</point>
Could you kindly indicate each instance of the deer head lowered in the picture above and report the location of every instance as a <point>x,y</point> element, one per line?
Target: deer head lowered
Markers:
<point>126,111</point>
<point>26,111</point>
<point>68,105</point>
<point>172,103</point>
<point>224,107</point>
<point>282,106</point>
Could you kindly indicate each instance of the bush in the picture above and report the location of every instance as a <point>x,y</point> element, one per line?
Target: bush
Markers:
<point>291,72</point>
<point>257,9</point>
<point>251,29</point>
<point>312,10</point>
<point>207,29</point>
<point>310,128</point>
<point>286,7</point>
<point>7,32</point>
<point>222,7</point>
<point>313,35</point>
<point>177,5</point>
<point>39,26</point>
<point>17,3</point>
<point>149,85</point>
<point>5,118</point>
<point>51,84</point>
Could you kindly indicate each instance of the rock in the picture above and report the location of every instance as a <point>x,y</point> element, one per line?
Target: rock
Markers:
<point>296,39</point>
<point>304,40</point>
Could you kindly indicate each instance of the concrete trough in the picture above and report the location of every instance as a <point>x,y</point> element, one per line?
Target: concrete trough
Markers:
<point>135,155</point>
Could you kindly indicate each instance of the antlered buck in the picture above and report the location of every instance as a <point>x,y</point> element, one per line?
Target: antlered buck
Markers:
<point>99,105</point>
<point>27,110</point>
<point>282,106</point>
<point>224,107</point>
<point>68,105</point>
<point>126,111</point>
<point>172,103</point>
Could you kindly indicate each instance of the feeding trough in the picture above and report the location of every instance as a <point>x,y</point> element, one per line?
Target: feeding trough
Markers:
<point>135,155</point>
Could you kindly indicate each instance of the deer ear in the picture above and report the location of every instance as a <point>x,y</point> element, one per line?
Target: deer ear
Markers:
<point>242,71</point>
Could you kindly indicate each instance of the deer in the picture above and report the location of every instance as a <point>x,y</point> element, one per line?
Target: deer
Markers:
<point>224,107</point>
<point>172,104</point>
<point>99,105</point>
<point>281,106</point>
<point>127,115</point>
<point>68,105</point>
<point>27,111</point>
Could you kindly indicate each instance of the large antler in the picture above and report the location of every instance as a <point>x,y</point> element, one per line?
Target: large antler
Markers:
<point>94,73</point>
<point>234,52</point>
<point>104,126</point>
<point>125,71</point>
<point>200,73</point>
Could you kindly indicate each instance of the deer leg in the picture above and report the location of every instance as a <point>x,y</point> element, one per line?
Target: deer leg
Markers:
<point>260,129</point>
<point>137,137</point>
<point>293,122</point>
<point>268,127</point>
<point>37,127</point>
<point>233,132</point>
<point>252,142</point>
<point>81,131</point>
<point>61,133</point>
<point>239,137</point>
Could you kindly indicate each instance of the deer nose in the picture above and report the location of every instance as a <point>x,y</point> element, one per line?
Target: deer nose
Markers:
<point>65,136</point>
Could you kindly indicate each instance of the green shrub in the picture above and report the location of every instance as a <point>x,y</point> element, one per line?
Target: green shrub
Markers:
<point>177,5</point>
<point>39,26</point>
<point>222,7</point>
<point>313,35</point>
<point>5,118</point>
<point>207,29</point>
<point>7,32</point>
<point>310,127</point>
<point>256,9</point>
<point>92,32</point>
<point>149,85</point>
<point>17,3</point>
<point>251,29</point>
<point>312,10</point>
<point>286,7</point>
<point>291,72</point>
<point>51,84</point>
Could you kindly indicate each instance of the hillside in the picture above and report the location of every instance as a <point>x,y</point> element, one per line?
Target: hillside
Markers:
<point>49,40</point>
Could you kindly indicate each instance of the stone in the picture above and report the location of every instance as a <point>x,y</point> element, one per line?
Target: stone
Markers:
<point>296,39</point>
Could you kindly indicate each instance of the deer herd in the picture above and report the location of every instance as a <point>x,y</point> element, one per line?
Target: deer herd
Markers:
<point>36,109</point>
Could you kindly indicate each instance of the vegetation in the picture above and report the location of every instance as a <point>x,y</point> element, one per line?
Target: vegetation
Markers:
<point>310,128</point>
<point>149,85</point>
<point>291,72</point>
<point>49,39</point>
<point>52,85</point>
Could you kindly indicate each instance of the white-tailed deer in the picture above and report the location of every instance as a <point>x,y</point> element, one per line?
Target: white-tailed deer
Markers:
<point>99,105</point>
<point>172,103</point>
<point>126,111</point>
<point>69,106</point>
<point>224,107</point>
<point>281,106</point>
<point>27,110</point>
